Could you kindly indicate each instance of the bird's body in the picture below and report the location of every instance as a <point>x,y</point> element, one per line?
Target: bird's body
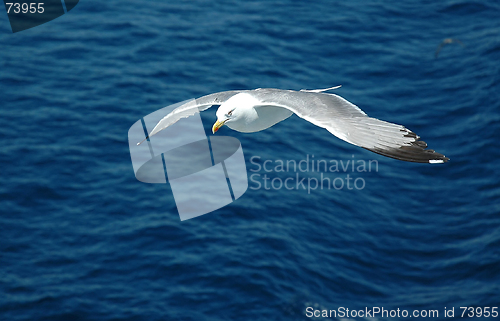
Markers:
<point>255,110</point>
<point>253,119</point>
<point>445,42</point>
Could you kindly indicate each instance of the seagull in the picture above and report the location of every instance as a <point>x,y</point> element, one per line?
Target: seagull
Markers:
<point>251,111</point>
<point>447,41</point>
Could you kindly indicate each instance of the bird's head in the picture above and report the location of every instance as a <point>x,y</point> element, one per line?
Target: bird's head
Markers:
<point>227,112</point>
<point>237,112</point>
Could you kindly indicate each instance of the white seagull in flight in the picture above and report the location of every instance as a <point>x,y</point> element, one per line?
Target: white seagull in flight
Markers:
<point>251,111</point>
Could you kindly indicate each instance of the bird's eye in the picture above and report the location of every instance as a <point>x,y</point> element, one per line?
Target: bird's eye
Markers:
<point>229,113</point>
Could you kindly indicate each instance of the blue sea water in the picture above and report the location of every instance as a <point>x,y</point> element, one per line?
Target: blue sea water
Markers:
<point>82,239</point>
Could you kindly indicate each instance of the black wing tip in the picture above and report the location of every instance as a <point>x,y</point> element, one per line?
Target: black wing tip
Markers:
<point>416,152</point>
<point>142,141</point>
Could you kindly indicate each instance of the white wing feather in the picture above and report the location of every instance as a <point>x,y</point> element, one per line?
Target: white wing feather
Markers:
<point>190,108</point>
<point>349,123</point>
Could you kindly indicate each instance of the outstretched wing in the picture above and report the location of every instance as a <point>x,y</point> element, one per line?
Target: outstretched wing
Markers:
<point>445,42</point>
<point>349,123</point>
<point>190,108</point>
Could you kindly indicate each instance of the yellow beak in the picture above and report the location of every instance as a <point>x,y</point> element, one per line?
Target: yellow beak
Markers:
<point>217,125</point>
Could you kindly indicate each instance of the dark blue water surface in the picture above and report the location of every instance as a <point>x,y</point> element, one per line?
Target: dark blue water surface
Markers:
<point>82,239</point>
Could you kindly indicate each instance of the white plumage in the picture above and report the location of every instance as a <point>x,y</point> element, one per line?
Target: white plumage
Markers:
<point>255,110</point>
